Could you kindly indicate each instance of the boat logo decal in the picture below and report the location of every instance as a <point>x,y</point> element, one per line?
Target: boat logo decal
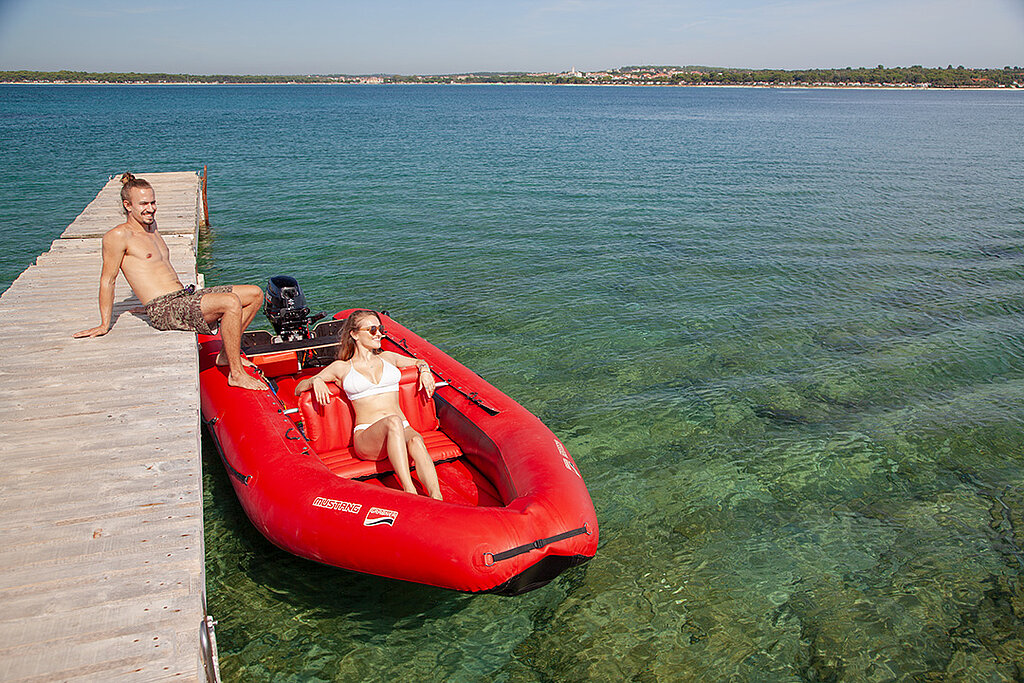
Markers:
<point>340,505</point>
<point>566,460</point>
<point>378,516</point>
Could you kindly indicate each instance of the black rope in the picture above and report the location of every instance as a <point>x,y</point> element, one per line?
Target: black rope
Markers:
<point>471,396</point>
<point>537,545</point>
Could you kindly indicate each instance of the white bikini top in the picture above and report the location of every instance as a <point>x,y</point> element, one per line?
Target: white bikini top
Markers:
<point>357,386</point>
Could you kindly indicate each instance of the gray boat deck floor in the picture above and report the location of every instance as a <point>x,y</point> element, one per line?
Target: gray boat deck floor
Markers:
<point>101,561</point>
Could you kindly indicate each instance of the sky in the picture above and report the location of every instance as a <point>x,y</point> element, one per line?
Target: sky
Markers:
<point>457,36</point>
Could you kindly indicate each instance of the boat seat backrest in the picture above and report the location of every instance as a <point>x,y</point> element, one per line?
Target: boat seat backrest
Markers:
<point>329,427</point>
<point>416,407</point>
<point>277,364</point>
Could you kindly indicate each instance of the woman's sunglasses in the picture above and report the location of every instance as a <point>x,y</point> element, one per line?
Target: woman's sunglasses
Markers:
<point>373,329</point>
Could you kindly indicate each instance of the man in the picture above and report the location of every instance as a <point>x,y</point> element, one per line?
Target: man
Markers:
<point>137,249</point>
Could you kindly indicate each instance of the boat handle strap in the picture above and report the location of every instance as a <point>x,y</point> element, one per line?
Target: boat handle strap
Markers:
<point>536,545</point>
<point>244,478</point>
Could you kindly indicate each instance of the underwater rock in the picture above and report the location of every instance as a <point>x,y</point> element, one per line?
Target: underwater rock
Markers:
<point>737,421</point>
<point>844,388</point>
<point>783,403</point>
<point>851,338</point>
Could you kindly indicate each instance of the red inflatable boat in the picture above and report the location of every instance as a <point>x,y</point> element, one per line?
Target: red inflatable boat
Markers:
<point>515,514</point>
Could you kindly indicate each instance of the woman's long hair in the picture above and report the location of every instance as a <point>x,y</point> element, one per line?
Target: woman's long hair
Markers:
<point>355,319</point>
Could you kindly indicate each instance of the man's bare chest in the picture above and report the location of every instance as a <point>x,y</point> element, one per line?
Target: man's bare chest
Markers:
<point>146,249</point>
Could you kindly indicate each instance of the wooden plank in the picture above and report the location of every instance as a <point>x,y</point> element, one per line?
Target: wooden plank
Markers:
<point>115,435</point>
<point>101,570</point>
<point>140,495</point>
<point>78,571</point>
<point>127,656</point>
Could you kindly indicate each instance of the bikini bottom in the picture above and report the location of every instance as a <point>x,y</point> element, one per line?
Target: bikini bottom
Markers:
<point>359,428</point>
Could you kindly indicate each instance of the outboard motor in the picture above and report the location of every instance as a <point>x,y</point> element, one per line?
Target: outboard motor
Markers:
<point>285,308</point>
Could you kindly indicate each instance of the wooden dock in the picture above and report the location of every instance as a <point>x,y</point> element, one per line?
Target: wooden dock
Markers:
<point>102,562</point>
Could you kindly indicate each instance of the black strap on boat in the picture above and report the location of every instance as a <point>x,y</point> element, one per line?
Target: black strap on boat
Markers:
<point>536,545</point>
<point>244,478</point>
<point>472,396</point>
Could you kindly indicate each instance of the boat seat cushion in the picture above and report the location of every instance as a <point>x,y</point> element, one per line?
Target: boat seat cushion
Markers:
<point>344,462</point>
<point>329,428</point>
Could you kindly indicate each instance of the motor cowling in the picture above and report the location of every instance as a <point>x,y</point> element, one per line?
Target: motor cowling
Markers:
<point>285,307</point>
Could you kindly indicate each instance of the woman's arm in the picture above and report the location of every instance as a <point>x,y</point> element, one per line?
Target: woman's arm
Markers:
<point>426,382</point>
<point>332,373</point>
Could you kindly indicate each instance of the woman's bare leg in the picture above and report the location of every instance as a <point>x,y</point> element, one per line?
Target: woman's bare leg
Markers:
<point>425,470</point>
<point>388,432</point>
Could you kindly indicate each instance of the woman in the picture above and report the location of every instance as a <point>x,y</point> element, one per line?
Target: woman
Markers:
<point>369,377</point>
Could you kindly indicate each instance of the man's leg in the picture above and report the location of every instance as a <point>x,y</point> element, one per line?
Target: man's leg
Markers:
<point>227,307</point>
<point>251,298</point>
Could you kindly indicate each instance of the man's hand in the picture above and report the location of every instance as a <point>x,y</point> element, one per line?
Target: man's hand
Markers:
<point>97,331</point>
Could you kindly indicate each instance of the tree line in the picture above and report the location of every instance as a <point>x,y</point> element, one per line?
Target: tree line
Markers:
<point>948,77</point>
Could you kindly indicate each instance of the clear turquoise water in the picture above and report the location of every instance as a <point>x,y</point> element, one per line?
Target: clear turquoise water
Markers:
<point>782,332</point>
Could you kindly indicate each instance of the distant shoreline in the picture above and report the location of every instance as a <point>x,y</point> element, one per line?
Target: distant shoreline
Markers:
<point>880,77</point>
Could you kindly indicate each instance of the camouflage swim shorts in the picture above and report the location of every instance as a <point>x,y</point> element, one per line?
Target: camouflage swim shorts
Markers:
<point>180,310</point>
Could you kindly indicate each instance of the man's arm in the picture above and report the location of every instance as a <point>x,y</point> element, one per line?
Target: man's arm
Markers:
<point>115,244</point>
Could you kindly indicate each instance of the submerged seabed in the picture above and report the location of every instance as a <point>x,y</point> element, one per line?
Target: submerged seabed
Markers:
<point>781,333</point>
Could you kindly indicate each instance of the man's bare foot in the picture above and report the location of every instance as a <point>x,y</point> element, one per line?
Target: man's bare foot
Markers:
<point>245,381</point>
<point>222,360</point>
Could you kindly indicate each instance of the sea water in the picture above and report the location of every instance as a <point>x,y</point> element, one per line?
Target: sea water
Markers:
<point>781,331</point>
